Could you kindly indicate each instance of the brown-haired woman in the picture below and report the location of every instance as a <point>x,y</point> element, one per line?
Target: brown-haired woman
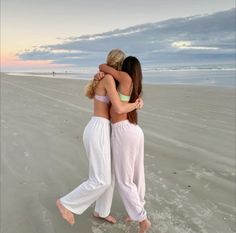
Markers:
<point>127,142</point>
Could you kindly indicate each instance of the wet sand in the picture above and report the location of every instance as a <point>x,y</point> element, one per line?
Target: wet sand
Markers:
<point>189,157</point>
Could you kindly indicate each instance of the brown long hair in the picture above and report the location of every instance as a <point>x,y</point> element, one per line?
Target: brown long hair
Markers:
<point>132,66</point>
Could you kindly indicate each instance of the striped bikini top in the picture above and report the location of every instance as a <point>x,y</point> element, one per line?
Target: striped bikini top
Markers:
<point>103,98</point>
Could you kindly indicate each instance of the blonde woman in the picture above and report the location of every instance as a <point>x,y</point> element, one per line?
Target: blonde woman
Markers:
<point>100,184</point>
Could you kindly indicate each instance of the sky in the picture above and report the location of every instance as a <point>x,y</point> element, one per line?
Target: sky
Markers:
<point>29,24</point>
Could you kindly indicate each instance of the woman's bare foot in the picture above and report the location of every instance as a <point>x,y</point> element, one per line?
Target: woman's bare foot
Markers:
<point>144,226</point>
<point>128,219</point>
<point>109,218</point>
<point>66,214</point>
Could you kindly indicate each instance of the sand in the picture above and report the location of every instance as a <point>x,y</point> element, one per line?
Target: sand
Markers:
<point>189,157</point>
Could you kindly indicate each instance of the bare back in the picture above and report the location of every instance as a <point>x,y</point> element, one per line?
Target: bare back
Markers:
<point>101,109</point>
<point>125,89</point>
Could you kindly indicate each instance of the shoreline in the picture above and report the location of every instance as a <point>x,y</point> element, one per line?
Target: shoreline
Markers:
<point>145,82</point>
<point>152,78</point>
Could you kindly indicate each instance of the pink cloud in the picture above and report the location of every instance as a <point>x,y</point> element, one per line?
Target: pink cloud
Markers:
<point>10,63</point>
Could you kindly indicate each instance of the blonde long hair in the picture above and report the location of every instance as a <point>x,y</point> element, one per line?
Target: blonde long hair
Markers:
<point>115,59</point>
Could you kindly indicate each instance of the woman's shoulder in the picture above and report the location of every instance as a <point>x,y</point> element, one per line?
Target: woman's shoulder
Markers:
<point>108,79</point>
<point>125,78</point>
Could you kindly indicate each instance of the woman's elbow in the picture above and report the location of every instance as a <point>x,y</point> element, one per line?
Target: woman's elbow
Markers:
<point>118,110</point>
<point>101,67</point>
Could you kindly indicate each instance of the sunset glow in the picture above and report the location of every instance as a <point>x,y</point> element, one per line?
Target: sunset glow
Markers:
<point>11,63</point>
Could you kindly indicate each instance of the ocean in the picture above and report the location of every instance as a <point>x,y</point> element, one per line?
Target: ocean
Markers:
<point>215,75</point>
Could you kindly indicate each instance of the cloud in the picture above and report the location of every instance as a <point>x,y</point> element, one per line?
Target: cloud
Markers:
<point>188,45</point>
<point>193,39</point>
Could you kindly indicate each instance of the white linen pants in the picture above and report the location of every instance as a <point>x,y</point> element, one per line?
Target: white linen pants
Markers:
<point>100,185</point>
<point>127,142</point>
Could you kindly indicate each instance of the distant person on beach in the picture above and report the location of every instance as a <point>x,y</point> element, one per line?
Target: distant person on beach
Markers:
<point>100,185</point>
<point>53,74</point>
<point>127,142</point>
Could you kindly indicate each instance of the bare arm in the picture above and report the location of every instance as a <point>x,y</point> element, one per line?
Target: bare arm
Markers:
<point>120,76</point>
<point>119,107</point>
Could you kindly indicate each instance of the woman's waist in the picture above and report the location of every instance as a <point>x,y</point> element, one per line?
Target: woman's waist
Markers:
<point>117,117</point>
<point>101,112</point>
<point>103,116</point>
<point>98,122</point>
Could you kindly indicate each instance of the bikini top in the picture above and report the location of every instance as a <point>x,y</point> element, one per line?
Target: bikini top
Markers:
<point>103,98</point>
<point>106,99</point>
<point>125,98</point>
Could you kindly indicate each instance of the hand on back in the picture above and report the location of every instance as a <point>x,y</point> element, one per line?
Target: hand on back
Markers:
<point>99,76</point>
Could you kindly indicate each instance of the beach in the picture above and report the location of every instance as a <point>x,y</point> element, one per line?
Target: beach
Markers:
<point>189,157</point>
